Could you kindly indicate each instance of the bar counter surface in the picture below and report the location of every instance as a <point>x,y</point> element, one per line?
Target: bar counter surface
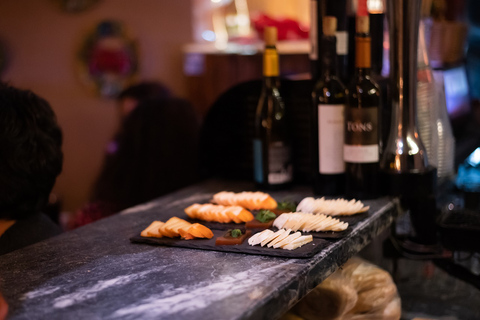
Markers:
<point>95,272</point>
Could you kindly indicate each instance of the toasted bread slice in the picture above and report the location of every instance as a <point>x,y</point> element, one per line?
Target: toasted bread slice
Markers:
<point>152,230</point>
<point>200,231</point>
<point>174,223</point>
<point>219,213</point>
<point>248,200</point>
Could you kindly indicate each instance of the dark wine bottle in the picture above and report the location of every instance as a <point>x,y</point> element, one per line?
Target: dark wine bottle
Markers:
<point>272,149</point>
<point>338,9</point>
<point>351,12</point>
<point>329,98</point>
<point>317,11</point>
<point>361,149</point>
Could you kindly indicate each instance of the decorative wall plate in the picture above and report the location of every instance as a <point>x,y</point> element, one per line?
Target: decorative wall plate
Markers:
<point>108,58</point>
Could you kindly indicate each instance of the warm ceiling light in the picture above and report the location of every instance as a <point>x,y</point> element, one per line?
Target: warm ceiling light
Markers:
<point>374,6</point>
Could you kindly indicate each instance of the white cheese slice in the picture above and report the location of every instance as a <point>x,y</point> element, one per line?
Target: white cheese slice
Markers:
<point>300,219</point>
<point>288,239</point>
<point>317,223</point>
<point>327,223</point>
<point>264,234</point>
<point>306,205</point>
<point>298,242</point>
<point>272,237</point>
<point>279,222</point>
<point>279,238</point>
<point>340,226</point>
<point>255,239</point>
<point>332,207</point>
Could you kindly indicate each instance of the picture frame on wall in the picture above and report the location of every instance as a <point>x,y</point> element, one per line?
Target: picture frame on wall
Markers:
<point>108,58</point>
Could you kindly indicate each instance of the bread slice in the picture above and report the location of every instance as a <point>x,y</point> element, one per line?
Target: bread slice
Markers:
<point>197,230</point>
<point>219,213</point>
<point>174,224</point>
<point>249,200</point>
<point>152,230</point>
<point>192,210</point>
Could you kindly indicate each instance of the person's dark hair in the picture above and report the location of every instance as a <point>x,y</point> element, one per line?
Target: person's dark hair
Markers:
<point>30,152</point>
<point>156,154</point>
<point>145,91</point>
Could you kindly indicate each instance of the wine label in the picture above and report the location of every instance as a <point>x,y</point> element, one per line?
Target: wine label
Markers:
<point>361,135</point>
<point>279,167</point>
<point>361,154</point>
<point>342,42</point>
<point>331,132</point>
<point>279,163</point>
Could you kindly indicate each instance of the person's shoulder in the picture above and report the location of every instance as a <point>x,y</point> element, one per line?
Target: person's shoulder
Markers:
<point>25,232</point>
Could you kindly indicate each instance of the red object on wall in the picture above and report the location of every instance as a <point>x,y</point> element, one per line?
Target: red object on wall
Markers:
<point>287,29</point>
<point>109,59</point>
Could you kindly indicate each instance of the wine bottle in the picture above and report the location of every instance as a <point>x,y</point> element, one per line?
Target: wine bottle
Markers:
<point>272,143</point>
<point>351,12</point>
<point>338,9</point>
<point>329,98</point>
<point>315,35</point>
<point>361,149</point>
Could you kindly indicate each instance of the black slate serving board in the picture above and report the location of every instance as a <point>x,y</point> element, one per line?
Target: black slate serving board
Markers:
<point>306,251</point>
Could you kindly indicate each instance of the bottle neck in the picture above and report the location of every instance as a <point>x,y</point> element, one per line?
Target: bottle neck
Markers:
<point>363,48</point>
<point>270,62</point>
<point>362,72</point>
<point>329,56</point>
<point>271,82</point>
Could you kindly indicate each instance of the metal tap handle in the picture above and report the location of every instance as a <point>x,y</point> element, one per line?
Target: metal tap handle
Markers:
<point>404,151</point>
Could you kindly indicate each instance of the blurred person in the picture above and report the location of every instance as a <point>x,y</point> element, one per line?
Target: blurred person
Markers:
<point>130,97</point>
<point>30,161</point>
<point>156,153</point>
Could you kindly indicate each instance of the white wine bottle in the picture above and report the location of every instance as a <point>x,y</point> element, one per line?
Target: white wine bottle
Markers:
<point>272,150</point>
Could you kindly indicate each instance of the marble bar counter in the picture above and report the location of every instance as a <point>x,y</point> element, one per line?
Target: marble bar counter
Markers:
<point>95,272</point>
